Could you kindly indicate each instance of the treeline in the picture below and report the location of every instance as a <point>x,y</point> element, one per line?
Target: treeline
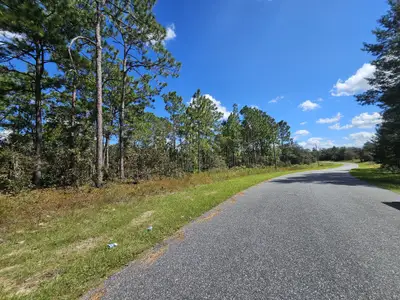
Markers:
<point>385,87</point>
<point>76,78</point>
<point>364,154</point>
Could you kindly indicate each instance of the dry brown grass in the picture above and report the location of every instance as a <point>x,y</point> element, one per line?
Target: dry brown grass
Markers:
<point>154,255</point>
<point>80,247</point>
<point>211,215</point>
<point>98,294</point>
<point>179,236</point>
<point>143,218</point>
<point>31,208</point>
<point>29,285</point>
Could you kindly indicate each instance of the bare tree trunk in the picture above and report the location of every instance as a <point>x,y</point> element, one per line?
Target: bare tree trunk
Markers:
<point>99,102</point>
<point>254,153</point>
<point>198,152</point>
<point>72,135</point>
<point>273,146</point>
<point>39,65</point>
<point>122,120</point>
<point>106,150</point>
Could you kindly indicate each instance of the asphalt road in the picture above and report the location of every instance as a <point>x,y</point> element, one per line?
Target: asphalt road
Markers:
<point>312,235</point>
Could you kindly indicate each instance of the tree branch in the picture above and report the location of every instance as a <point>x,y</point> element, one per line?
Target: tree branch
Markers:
<point>80,37</point>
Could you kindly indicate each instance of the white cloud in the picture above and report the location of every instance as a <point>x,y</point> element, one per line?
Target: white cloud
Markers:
<point>302,132</point>
<point>317,141</point>
<point>308,105</point>
<point>330,120</point>
<point>303,123</point>
<point>10,35</point>
<point>320,100</point>
<point>276,100</point>
<point>254,106</point>
<point>366,120</point>
<point>338,127</point>
<point>363,120</point>
<point>171,34</point>
<point>355,84</point>
<point>360,138</point>
<point>222,109</point>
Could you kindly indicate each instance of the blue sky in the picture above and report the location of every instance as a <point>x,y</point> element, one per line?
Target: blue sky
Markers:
<point>251,52</point>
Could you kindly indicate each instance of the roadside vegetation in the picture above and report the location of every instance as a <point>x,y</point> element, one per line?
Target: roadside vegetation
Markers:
<point>374,174</point>
<point>54,242</point>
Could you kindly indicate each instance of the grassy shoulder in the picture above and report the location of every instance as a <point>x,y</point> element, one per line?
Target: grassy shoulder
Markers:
<point>372,173</point>
<point>54,241</point>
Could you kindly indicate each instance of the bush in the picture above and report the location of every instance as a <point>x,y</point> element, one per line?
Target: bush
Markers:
<point>15,171</point>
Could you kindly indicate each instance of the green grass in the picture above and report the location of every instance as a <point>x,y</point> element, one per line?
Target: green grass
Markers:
<point>54,241</point>
<point>372,173</point>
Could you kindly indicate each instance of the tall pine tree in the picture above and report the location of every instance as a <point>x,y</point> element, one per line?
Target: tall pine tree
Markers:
<point>385,83</point>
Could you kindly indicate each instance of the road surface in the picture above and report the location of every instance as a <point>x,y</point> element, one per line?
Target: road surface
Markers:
<point>312,235</point>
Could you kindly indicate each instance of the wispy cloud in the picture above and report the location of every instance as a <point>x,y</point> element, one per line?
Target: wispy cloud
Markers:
<point>330,120</point>
<point>276,100</point>
<point>317,142</point>
<point>338,127</point>
<point>302,132</point>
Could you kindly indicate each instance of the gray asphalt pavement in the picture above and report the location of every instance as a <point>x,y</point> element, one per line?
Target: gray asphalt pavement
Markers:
<point>312,235</point>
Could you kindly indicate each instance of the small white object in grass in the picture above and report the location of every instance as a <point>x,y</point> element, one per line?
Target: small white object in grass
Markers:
<point>150,228</point>
<point>112,245</point>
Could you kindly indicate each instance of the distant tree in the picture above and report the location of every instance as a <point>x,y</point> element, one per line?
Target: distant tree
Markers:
<point>260,134</point>
<point>368,152</point>
<point>176,109</point>
<point>231,131</point>
<point>350,154</point>
<point>284,139</point>
<point>202,121</point>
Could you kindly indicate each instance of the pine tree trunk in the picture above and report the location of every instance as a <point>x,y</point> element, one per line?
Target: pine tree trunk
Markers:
<point>122,121</point>
<point>99,102</point>
<point>273,145</point>
<point>72,136</point>
<point>106,150</point>
<point>39,65</point>
<point>198,152</point>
